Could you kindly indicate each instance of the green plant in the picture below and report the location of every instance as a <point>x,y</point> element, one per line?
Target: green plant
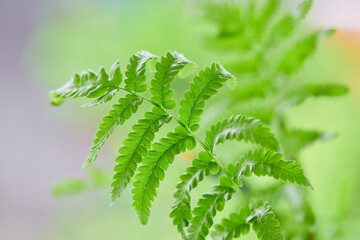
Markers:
<point>155,157</point>
<point>266,47</point>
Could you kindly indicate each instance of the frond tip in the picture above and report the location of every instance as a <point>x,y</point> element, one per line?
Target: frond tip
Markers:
<point>204,86</point>
<point>166,70</point>
<point>135,73</point>
<point>91,85</point>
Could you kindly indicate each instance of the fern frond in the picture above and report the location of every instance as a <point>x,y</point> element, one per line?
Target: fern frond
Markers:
<point>103,99</point>
<point>206,210</point>
<point>294,58</point>
<point>264,223</point>
<point>135,148</point>
<point>117,116</point>
<point>288,22</point>
<point>295,140</point>
<point>303,9</point>
<point>69,186</point>
<point>225,15</point>
<point>115,79</point>
<point>232,227</point>
<point>98,179</point>
<point>263,162</point>
<point>267,12</point>
<point>294,198</point>
<point>135,73</point>
<point>154,166</point>
<point>88,84</point>
<point>256,108</point>
<point>181,212</point>
<point>166,70</point>
<point>241,128</point>
<point>203,87</point>
<point>300,94</point>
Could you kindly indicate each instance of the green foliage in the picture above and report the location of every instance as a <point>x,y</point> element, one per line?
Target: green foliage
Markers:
<point>295,140</point>
<point>204,86</point>
<point>166,70</point>
<point>155,158</point>
<point>90,85</point>
<point>263,162</point>
<point>98,179</point>
<point>136,147</point>
<point>117,116</point>
<point>266,56</point>
<point>304,8</point>
<point>296,206</point>
<point>267,51</point>
<point>299,95</point>
<point>295,56</point>
<point>154,166</point>
<point>264,223</point>
<point>135,73</point>
<point>241,128</point>
<point>68,186</point>
<point>208,205</point>
<point>181,212</point>
<point>232,227</point>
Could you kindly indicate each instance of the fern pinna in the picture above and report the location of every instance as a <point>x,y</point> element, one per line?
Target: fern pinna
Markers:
<point>146,161</point>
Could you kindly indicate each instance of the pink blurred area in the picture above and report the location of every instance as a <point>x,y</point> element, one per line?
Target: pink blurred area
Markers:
<point>340,14</point>
<point>33,139</point>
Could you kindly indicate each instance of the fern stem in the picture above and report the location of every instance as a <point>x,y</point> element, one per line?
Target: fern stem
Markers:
<point>213,156</point>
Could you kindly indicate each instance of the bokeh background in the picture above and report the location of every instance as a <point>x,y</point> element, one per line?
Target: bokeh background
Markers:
<point>43,42</point>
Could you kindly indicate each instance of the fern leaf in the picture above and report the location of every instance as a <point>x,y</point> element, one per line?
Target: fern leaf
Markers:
<point>288,22</point>
<point>295,198</point>
<point>135,147</point>
<point>264,222</point>
<point>295,140</point>
<point>103,99</point>
<point>267,12</point>
<point>115,79</point>
<point>166,70</point>
<point>98,179</point>
<point>294,58</point>
<point>154,166</point>
<point>241,128</point>
<point>263,162</point>
<point>181,212</point>
<point>304,8</point>
<point>88,84</point>
<point>117,116</point>
<point>69,186</point>
<point>257,108</point>
<point>135,73</point>
<point>300,94</point>
<point>206,210</point>
<point>232,227</point>
<point>203,87</point>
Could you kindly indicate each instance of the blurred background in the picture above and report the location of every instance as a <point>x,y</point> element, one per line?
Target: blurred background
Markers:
<point>43,42</point>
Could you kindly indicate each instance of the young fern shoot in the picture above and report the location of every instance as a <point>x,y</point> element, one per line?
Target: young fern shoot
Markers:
<point>146,161</point>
